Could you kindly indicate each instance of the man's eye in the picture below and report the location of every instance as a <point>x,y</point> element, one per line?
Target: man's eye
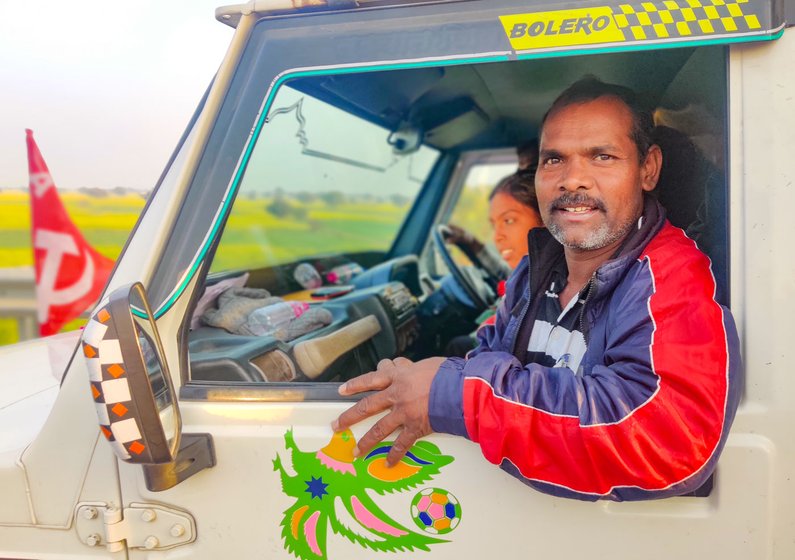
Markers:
<point>604,157</point>
<point>509,221</point>
<point>552,161</point>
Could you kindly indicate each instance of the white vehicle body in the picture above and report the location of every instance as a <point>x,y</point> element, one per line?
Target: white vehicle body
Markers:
<point>65,494</point>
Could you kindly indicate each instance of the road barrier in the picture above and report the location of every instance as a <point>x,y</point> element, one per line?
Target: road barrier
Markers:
<point>18,300</point>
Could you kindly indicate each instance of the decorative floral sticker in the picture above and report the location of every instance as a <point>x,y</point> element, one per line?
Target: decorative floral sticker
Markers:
<point>332,477</point>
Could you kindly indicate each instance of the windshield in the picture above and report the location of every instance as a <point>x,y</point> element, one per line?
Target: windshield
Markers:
<point>320,181</point>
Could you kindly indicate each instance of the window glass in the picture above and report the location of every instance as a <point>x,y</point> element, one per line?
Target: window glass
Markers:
<point>471,210</point>
<point>320,181</point>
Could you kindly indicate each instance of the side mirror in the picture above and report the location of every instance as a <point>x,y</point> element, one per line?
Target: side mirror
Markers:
<point>130,382</point>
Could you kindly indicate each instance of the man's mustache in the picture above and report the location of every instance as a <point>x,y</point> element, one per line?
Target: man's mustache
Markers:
<point>576,199</point>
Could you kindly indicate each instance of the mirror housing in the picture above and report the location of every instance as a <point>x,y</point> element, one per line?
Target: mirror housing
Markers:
<point>407,139</point>
<point>130,382</point>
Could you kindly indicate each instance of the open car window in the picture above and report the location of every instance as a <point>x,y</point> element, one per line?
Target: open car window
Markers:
<point>320,182</point>
<point>351,175</point>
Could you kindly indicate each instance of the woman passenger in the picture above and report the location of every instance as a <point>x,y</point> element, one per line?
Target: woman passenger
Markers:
<point>513,212</point>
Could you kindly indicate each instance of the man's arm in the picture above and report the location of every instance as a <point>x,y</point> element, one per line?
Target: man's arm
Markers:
<point>404,387</point>
<point>647,421</point>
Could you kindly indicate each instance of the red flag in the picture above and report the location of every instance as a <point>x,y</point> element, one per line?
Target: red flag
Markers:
<point>70,274</point>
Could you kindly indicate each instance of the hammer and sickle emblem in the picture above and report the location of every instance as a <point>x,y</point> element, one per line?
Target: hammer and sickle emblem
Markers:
<point>56,245</point>
<point>41,183</point>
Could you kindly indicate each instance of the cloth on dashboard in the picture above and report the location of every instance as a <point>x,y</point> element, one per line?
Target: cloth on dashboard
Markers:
<point>210,296</point>
<point>234,307</point>
<point>236,304</point>
<point>310,320</point>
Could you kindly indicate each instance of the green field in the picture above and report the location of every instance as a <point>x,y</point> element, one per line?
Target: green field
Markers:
<point>256,238</point>
<point>259,233</point>
<point>105,222</point>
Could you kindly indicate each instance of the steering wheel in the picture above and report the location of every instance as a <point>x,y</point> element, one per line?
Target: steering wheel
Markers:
<point>473,280</point>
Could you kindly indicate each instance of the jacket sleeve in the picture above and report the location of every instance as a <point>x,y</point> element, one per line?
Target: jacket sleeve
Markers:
<point>647,418</point>
<point>490,336</point>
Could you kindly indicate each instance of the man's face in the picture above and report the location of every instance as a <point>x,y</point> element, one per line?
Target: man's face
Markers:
<point>590,180</point>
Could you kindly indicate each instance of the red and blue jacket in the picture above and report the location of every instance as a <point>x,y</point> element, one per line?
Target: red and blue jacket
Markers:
<point>649,411</point>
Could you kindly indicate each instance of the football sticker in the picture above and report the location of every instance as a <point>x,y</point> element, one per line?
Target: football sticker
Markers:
<point>436,511</point>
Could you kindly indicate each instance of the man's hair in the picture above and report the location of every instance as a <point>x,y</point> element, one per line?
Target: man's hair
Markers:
<point>590,88</point>
<point>520,186</point>
<point>529,148</point>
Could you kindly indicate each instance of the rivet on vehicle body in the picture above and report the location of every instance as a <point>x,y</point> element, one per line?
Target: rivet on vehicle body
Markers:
<point>151,542</point>
<point>177,530</point>
<point>93,539</point>
<point>148,515</point>
<point>90,513</point>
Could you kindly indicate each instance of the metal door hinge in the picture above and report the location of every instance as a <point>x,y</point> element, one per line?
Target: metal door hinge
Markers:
<point>139,526</point>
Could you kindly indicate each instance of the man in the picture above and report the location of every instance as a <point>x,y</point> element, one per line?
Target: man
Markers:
<point>611,371</point>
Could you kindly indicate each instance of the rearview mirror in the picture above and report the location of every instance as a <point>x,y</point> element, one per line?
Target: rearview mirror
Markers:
<point>407,139</point>
<point>130,381</point>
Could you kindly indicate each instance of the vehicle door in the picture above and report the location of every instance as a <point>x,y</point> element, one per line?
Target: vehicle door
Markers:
<point>283,485</point>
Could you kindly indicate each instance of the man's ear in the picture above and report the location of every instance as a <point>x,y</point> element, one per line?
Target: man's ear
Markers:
<point>650,169</point>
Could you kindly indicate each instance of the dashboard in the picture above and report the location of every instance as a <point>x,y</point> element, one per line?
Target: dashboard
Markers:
<point>374,321</point>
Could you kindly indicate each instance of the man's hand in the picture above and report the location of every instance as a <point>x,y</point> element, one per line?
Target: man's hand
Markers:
<point>403,388</point>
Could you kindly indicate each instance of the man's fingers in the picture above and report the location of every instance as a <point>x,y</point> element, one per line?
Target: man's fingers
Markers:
<point>402,362</point>
<point>373,381</point>
<point>402,444</point>
<point>386,363</point>
<point>377,433</point>
<point>366,407</point>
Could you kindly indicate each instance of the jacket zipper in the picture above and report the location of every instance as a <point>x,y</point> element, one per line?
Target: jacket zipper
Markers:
<point>522,316</point>
<point>584,304</point>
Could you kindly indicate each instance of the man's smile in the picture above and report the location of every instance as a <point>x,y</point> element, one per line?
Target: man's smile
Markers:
<point>576,207</point>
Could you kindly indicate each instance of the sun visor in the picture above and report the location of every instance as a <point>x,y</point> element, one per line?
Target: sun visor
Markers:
<point>461,119</point>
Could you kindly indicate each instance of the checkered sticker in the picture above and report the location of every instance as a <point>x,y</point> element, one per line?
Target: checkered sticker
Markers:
<point>119,449</point>
<point>632,22</point>
<point>684,18</point>
<point>110,352</point>
<point>110,387</point>
<point>94,370</point>
<point>116,391</point>
<point>125,431</point>
<point>102,414</point>
<point>94,333</point>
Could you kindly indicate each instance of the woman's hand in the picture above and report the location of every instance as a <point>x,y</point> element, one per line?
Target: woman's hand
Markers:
<point>463,239</point>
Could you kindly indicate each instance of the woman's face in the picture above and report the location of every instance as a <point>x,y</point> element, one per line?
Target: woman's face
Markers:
<point>510,221</point>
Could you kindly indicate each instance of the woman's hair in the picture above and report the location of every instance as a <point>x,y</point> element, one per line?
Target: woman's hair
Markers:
<point>520,186</point>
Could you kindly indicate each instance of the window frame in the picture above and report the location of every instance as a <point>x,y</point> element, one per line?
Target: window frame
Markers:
<point>458,163</point>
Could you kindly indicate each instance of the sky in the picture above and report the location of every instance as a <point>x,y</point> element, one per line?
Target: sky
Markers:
<point>107,87</point>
